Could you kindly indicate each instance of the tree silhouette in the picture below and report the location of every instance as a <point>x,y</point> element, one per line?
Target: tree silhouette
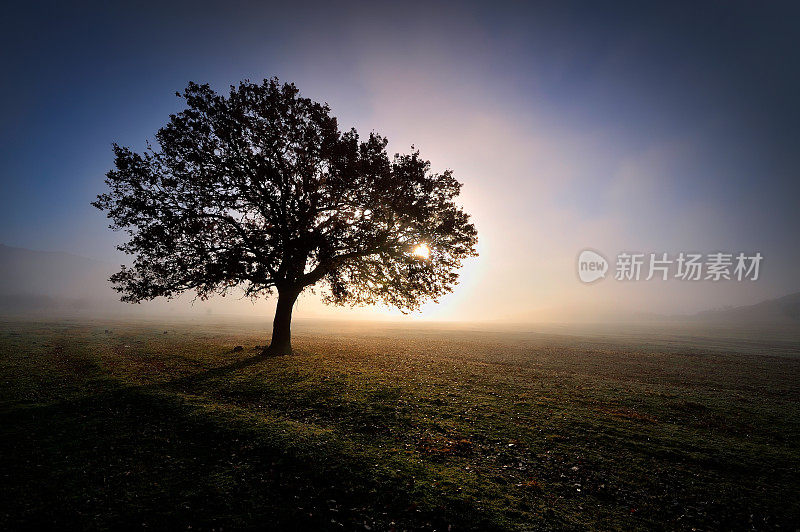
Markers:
<point>261,190</point>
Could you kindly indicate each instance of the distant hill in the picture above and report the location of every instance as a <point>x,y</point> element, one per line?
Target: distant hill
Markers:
<point>59,284</point>
<point>52,281</point>
<point>785,309</point>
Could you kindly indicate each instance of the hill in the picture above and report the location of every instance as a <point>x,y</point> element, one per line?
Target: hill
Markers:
<point>785,309</point>
<point>52,281</point>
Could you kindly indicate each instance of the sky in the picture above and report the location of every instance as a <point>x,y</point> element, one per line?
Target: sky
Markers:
<point>617,127</point>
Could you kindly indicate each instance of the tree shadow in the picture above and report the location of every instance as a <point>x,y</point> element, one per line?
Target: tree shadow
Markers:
<point>147,454</point>
<point>208,374</point>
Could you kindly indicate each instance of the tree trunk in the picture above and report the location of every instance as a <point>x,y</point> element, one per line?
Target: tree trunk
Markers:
<point>282,324</point>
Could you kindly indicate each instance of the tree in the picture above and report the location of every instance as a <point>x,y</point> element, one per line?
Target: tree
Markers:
<point>261,190</point>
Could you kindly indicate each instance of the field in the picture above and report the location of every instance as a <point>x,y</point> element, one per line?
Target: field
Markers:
<point>113,425</point>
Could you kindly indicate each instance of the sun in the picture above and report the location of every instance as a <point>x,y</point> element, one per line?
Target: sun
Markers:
<point>422,251</point>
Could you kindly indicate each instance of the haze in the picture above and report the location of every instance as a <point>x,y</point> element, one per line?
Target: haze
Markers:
<point>616,128</point>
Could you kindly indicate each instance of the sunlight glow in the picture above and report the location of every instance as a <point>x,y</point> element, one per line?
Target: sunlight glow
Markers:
<point>422,251</point>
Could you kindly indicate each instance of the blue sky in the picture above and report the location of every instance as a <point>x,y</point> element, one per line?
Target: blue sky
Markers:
<point>616,126</point>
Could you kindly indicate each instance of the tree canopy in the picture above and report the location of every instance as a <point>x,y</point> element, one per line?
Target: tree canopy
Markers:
<point>261,190</point>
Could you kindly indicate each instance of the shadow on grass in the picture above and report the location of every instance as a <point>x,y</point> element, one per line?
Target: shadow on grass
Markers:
<point>197,378</point>
<point>148,456</point>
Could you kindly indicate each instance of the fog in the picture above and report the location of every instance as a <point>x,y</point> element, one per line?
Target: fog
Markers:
<point>635,129</point>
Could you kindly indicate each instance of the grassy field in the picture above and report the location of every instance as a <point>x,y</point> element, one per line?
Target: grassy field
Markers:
<point>110,425</point>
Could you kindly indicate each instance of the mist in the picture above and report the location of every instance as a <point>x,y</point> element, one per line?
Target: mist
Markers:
<point>640,130</point>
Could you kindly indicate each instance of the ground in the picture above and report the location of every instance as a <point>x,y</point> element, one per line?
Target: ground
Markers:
<point>115,425</point>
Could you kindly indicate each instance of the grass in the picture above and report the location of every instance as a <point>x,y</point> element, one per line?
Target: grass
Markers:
<point>119,426</point>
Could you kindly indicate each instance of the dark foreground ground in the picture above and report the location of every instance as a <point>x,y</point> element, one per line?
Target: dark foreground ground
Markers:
<point>156,426</point>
